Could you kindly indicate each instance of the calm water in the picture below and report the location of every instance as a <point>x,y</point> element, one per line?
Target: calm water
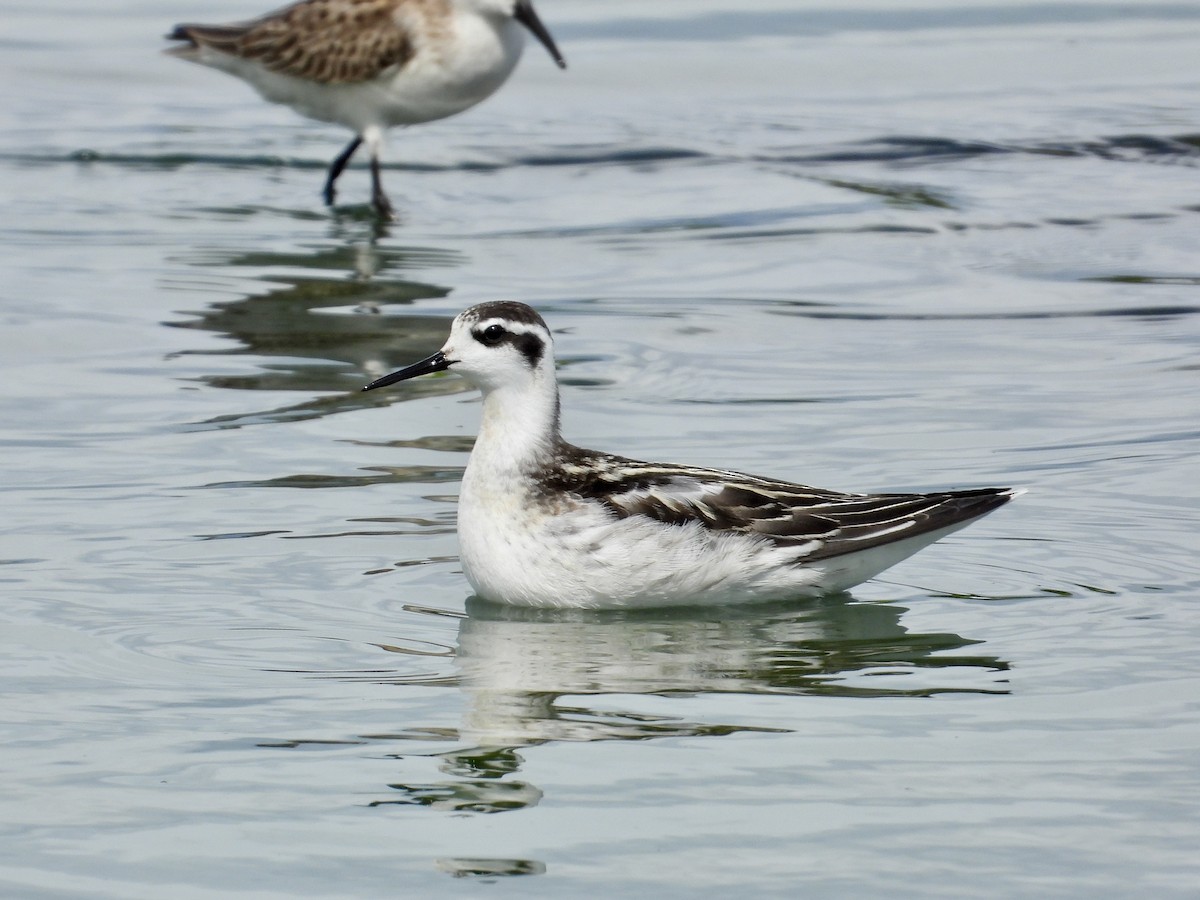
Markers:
<point>868,248</point>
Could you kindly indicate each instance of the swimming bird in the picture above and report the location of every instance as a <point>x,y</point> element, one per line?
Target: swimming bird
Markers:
<point>544,523</point>
<point>372,64</point>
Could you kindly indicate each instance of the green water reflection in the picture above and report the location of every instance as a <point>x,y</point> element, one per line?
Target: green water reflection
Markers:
<point>516,667</point>
<point>317,326</point>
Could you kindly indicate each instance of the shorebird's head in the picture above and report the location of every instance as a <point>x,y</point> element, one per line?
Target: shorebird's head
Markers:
<point>496,345</point>
<point>523,12</point>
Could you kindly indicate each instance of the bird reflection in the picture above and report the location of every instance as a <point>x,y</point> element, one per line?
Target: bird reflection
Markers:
<point>514,664</point>
<point>316,327</point>
<point>515,667</point>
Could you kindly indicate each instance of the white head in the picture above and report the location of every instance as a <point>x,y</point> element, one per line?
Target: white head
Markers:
<point>523,12</point>
<point>504,349</point>
<point>503,344</point>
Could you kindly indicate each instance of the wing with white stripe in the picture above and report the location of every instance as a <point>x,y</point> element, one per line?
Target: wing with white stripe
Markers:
<point>830,523</point>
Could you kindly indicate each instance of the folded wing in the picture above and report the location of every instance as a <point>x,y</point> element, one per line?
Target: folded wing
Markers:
<point>818,523</point>
<point>328,41</point>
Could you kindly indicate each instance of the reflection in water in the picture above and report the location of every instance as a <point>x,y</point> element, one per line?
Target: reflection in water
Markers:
<point>514,664</point>
<point>317,329</point>
<point>318,333</point>
<point>490,868</point>
<point>513,667</point>
<point>476,785</point>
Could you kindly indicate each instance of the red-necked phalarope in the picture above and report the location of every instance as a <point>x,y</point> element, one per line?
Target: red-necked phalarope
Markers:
<point>544,523</point>
<point>372,64</point>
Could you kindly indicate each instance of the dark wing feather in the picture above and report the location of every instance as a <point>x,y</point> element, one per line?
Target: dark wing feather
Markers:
<point>830,523</point>
<point>329,41</point>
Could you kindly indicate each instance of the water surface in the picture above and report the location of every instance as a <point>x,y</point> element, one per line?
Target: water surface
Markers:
<point>866,248</point>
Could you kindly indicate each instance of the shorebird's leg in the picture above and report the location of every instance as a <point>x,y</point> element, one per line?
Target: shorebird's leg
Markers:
<point>383,206</point>
<point>335,169</point>
<point>379,199</point>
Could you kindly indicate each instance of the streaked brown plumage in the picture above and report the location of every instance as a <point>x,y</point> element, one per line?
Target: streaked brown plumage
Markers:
<point>371,64</point>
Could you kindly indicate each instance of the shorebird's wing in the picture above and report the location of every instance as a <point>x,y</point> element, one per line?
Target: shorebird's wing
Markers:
<point>328,41</point>
<point>829,522</point>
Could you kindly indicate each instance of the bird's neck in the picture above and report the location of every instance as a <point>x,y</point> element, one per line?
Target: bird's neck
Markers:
<point>519,431</point>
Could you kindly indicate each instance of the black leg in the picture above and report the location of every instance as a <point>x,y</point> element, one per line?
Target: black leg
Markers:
<point>379,199</point>
<point>336,168</point>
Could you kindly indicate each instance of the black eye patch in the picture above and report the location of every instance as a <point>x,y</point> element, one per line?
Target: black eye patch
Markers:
<point>531,347</point>
<point>528,344</point>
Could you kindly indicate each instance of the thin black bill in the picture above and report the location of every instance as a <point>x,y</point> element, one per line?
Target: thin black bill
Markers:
<point>435,363</point>
<point>525,14</point>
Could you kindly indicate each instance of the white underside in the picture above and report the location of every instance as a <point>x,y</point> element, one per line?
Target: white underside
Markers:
<point>440,80</point>
<point>516,551</point>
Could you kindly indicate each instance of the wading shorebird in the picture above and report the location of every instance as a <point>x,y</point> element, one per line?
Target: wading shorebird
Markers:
<point>372,64</point>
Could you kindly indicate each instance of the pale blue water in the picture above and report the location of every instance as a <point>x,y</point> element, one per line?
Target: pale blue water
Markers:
<point>867,248</point>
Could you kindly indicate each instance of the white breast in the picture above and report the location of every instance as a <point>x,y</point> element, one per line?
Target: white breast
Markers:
<point>520,549</point>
